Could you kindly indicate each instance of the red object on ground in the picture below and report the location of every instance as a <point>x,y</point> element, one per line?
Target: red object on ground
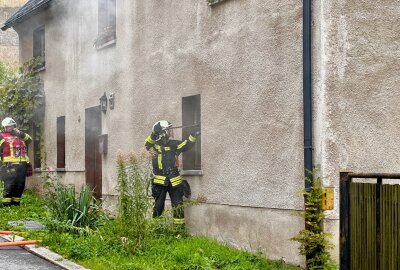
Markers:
<point>18,243</point>
<point>7,232</point>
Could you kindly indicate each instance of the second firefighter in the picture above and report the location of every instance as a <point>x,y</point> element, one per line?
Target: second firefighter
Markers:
<point>166,174</point>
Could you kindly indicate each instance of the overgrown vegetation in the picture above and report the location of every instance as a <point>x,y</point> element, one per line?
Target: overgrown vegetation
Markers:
<point>132,225</point>
<point>314,242</point>
<point>132,240</point>
<point>21,94</point>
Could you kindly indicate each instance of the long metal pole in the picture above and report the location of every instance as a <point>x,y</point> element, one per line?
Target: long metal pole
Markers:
<point>307,92</point>
<point>197,125</point>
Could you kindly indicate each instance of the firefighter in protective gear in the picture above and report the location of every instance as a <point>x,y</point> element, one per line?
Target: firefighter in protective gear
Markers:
<point>166,174</point>
<point>14,158</point>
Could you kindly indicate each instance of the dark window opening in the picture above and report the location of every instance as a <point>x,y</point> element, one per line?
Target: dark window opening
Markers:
<point>39,46</point>
<point>106,22</point>
<point>37,158</point>
<point>191,116</point>
<point>61,142</point>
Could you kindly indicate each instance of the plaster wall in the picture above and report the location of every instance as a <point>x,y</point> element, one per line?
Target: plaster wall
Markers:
<point>243,57</point>
<point>356,94</point>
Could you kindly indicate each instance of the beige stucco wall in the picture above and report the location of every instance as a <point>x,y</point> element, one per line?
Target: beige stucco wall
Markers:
<point>356,90</point>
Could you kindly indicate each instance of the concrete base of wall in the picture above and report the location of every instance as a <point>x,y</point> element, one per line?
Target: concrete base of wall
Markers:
<point>256,229</point>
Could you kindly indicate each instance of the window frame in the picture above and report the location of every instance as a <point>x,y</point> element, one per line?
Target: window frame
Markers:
<point>61,142</point>
<point>106,23</point>
<point>191,115</point>
<point>39,46</point>
<point>37,152</point>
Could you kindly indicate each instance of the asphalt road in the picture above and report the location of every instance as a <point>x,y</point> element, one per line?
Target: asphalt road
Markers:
<point>17,258</point>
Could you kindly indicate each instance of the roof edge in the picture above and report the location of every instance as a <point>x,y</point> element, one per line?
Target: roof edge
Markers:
<point>24,13</point>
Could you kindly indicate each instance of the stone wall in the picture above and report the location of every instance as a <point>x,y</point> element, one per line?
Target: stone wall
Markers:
<point>9,38</point>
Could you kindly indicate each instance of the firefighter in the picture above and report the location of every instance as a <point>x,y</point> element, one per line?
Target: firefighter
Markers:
<point>166,174</point>
<point>14,157</point>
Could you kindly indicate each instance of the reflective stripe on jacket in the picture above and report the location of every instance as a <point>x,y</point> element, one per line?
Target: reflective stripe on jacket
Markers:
<point>164,162</point>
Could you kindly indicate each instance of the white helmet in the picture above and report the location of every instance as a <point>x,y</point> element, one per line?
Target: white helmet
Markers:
<point>160,128</point>
<point>161,125</point>
<point>8,121</point>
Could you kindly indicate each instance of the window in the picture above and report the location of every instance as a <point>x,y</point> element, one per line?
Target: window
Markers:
<point>36,148</point>
<point>61,142</point>
<point>39,45</point>
<point>190,117</point>
<point>106,23</point>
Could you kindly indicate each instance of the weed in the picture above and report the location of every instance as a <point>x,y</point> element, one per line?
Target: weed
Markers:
<point>314,243</point>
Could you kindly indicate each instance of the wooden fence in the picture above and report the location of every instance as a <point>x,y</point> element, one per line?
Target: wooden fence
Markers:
<point>369,222</point>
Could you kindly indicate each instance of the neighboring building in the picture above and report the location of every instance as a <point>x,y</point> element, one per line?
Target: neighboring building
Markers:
<point>237,65</point>
<point>9,39</point>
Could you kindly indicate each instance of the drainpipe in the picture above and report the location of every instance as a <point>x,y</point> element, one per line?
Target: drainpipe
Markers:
<point>307,101</point>
<point>307,97</point>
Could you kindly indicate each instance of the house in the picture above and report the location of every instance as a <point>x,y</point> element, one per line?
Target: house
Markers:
<point>236,67</point>
<point>9,39</point>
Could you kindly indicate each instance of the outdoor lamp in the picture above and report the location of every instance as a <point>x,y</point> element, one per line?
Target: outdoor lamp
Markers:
<point>111,100</point>
<point>103,103</point>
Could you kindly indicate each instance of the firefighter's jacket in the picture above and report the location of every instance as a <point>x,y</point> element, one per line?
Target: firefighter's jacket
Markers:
<point>164,161</point>
<point>13,149</point>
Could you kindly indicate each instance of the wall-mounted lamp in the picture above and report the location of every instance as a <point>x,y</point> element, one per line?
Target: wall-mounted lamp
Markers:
<point>111,99</point>
<point>103,103</point>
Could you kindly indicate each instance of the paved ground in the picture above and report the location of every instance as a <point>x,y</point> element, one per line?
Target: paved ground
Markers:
<point>17,258</point>
<point>32,257</point>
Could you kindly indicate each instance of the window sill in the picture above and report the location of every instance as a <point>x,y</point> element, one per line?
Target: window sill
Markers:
<point>105,39</point>
<point>39,170</point>
<point>214,2</point>
<point>40,69</point>
<point>105,45</point>
<point>192,172</point>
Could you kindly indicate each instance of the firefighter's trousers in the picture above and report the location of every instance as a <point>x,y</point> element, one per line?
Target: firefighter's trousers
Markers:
<point>159,193</point>
<point>13,176</point>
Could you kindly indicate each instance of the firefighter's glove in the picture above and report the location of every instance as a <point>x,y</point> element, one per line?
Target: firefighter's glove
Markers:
<point>196,133</point>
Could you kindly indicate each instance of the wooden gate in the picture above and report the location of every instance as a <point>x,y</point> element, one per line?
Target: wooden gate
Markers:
<point>369,222</point>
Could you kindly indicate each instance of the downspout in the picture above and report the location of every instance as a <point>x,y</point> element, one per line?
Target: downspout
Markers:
<point>307,102</point>
<point>307,93</point>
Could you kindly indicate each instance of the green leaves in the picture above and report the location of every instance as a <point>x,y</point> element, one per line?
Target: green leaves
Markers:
<point>22,94</point>
<point>76,212</point>
<point>313,240</point>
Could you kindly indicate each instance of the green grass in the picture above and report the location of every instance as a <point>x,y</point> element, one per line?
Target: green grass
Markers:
<point>98,251</point>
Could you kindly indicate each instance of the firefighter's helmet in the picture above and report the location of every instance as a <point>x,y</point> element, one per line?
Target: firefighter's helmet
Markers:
<point>8,121</point>
<point>160,129</point>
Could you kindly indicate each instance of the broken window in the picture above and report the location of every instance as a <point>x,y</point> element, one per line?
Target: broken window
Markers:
<point>39,45</point>
<point>106,23</point>
<point>61,142</point>
<point>191,121</point>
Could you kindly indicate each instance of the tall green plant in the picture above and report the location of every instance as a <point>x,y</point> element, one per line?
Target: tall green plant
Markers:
<point>133,202</point>
<point>73,211</point>
<point>21,94</point>
<point>314,243</point>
